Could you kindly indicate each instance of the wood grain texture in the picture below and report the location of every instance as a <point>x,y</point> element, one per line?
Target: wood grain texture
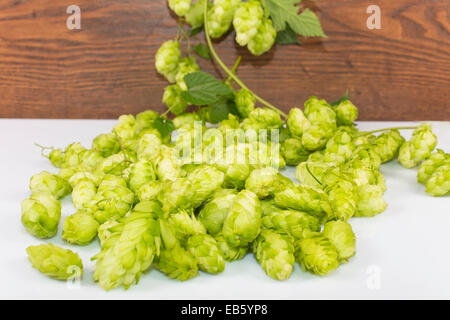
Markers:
<point>401,72</point>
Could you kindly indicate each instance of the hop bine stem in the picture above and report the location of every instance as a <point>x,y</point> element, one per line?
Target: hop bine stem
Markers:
<point>386,129</point>
<point>312,175</point>
<point>229,72</point>
<point>234,70</point>
<point>43,149</point>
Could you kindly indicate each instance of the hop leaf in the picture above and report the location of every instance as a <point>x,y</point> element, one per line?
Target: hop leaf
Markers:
<point>284,13</point>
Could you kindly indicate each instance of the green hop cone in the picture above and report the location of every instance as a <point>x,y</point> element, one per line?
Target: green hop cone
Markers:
<point>268,207</point>
<point>72,155</point>
<point>46,182</point>
<point>429,166</point>
<point>294,152</point>
<point>296,224</point>
<point>55,262</point>
<point>141,173</point>
<point>186,120</point>
<point>235,175</point>
<point>112,203</point>
<point>316,254</point>
<point>126,255</point>
<point>149,146</point>
<point>150,191</point>
<point>180,7</point>
<point>421,145</point>
<point>115,164</point>
<point>83,194</point>
<point>275,253</point>
<point>317,136</point>
<point>232,123</point>
<point>346,113</point>
<point>110,181</point>
<point>303,198</point>
<point>262,118</point>
<point>439,183</point>
<point>370,201</point>
<point>56,157</point>
<point>247,19</point>
<point>146,120</point>
<point>265,182</point>
<point>125,130</point>
<point>297,122</point>
<point>108,230</point>
<point>342,195</point>
<point>196,14</point>
<point>41,214</point>
<point>166,165</point>
<point>307,172</point>
<point>167,59</point>
<point>106,144</point>
<point>340,147</point>
<point>177,263</point>
<point>185,225</point>
<point>176,194</point>
<point>243,223</point>
<point>366,156</point>
<point>220,17</point>
<point>341,235</point>
<point>245,102</point>
<point>319,111</point>
<point>213,213</point>
<point>229,252</point>
<point>187,65</point>
<point>173,99</point>
<point>80,228</point>
<point>264,38</point>
<point>204,248</point>
<point>205,181</point>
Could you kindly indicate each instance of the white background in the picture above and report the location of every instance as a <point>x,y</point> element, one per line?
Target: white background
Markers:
<point>403,253</point>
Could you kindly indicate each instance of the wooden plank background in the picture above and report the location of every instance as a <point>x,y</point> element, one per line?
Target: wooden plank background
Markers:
<point>401,72</point>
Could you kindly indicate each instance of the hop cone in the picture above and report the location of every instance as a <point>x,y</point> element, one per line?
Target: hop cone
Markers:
<point>264,38</point>
<point>204,248</point>
<point>247,19</point>
<point>275,253</point>
<point>125,256</point>
<point>55,262</point>
<point>316,254</point>
<point>293,223</point>
<point>243,223</point>
<point>418,148</point>
<point>167,59</point>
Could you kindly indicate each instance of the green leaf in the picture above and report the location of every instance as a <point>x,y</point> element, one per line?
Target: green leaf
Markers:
<point>219,110</point>
<point>346,96</point>
<point>287,36</point>
<point>195,31</point>
<point>284,13</point>
<point>204,89</point>
<point>164,126</point>
<point>203,51</point>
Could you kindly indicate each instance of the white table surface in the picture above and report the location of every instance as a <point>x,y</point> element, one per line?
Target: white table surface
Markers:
<point>402,253</point>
